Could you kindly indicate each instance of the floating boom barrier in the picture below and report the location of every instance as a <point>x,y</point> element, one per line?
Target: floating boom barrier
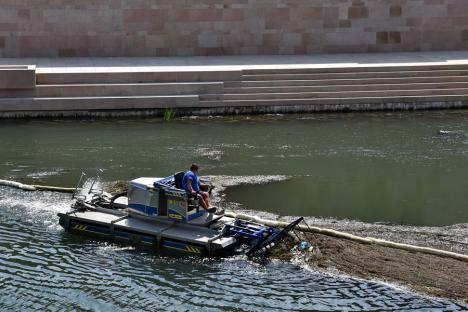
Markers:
<point>27,187</point>
<point>302,228</point>
<point>360,239</point>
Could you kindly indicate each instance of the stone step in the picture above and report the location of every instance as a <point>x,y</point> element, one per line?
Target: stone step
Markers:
<point>123,89</point>
<point>135,77</point>
<point>352,81</point>
<point>355,69</point>
<point>17,76</point>
<point>96,103</point>
<point>357,75</point>
<point>336,88</point>
<point>339,94</point>
<point>345,104</point>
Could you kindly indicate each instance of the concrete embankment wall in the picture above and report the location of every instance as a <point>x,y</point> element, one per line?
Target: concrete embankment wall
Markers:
<point>228,27</point>
<point>238,91</point>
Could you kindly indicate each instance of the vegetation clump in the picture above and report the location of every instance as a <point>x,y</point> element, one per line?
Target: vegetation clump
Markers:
<point>115,187</point>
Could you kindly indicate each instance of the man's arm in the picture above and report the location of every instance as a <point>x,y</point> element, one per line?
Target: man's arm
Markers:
<point>189,186</point>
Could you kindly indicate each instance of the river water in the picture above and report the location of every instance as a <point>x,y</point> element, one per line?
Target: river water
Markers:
<point>387,168</point>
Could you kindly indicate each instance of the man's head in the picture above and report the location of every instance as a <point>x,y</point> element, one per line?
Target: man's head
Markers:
<point>194,167</point>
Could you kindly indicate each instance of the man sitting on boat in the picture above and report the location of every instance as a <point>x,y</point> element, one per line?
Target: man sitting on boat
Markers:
<point>191,184</point>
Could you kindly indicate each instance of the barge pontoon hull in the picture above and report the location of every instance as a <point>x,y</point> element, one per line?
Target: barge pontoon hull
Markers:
<point>160,234</point>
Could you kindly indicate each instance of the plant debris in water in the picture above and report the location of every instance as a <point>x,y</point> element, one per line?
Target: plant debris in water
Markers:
<point>116,187</point>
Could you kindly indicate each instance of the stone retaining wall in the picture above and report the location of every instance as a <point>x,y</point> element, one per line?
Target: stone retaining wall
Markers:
<point>227,27</point>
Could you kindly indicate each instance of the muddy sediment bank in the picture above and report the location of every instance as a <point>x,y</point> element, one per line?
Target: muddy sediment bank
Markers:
<point>423,273</point>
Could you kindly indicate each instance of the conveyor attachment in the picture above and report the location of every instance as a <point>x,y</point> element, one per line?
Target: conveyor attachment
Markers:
<point>249,232</point>
<point>262,246</point>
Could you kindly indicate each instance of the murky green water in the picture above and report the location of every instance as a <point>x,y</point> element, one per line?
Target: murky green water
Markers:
<point>371,167</point>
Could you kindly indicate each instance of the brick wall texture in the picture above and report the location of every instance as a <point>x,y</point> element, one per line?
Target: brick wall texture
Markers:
<point>228,27</point>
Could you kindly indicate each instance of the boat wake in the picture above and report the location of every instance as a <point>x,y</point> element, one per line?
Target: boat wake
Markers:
<point>33,207</point>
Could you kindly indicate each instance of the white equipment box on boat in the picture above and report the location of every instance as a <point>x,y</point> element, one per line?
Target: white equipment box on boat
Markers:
<point>157,197</point>
<point>144,197</point>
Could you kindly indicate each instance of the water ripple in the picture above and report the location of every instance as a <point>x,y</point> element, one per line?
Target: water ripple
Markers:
<point>46,269</point>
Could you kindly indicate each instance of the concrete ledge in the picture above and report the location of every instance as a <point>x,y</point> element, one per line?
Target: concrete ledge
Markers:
<point>343,88</point>
<point>357,75</point>
<point>354,103</point>
<point>240,110</point>
<point>360,81</point>
<point>334,94</point>
<point>123,89</point>
<point>96,103</point>
<point>359,68</point>
<point>17,77</point>
<point>137,77</point>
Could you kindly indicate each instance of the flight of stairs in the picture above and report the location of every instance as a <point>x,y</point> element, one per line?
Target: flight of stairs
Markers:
<point>241,91</point>
<point>109,93</point>
<point>350,88</point>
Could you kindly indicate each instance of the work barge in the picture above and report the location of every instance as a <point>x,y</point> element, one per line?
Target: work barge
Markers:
<point>157,213</point>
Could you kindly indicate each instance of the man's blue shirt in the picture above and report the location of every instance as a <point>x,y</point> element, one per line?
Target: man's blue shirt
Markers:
<point>189,175</point>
